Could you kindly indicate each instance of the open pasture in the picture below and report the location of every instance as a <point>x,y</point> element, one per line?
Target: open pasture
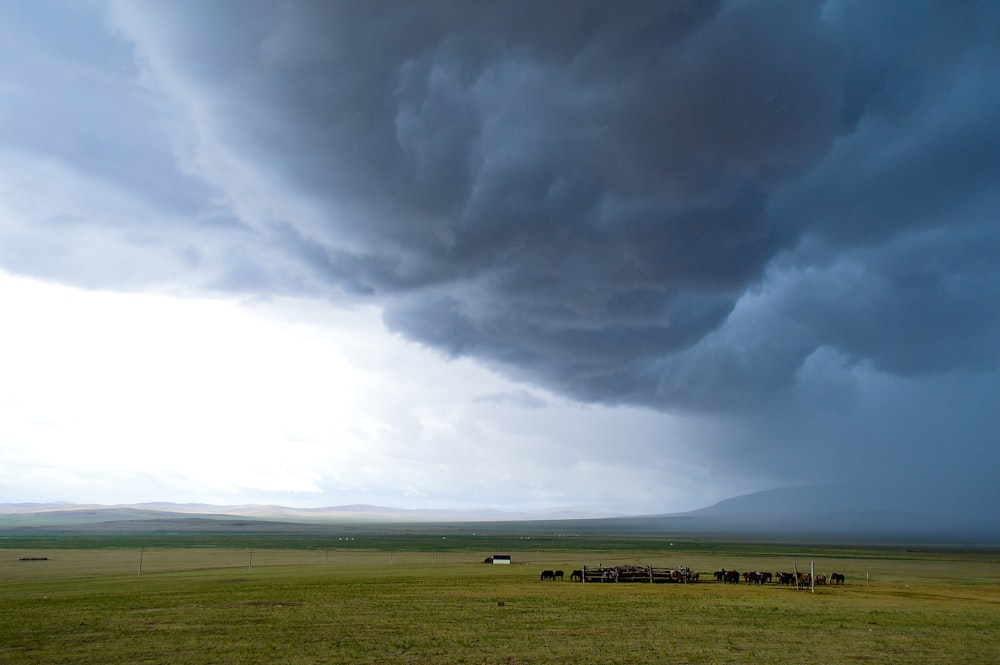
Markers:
<point>420,604</point>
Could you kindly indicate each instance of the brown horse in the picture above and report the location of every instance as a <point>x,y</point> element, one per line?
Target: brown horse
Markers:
<point>836,578</point>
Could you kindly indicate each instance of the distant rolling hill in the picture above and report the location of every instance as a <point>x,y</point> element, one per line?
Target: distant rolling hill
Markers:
<point>869,513</point>
<point>95,517</point>
<point>872,511</point>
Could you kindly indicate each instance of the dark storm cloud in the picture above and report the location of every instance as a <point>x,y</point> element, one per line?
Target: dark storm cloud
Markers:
<point>91,193</point>
<point>923,305</point>
<point>654,203</point>
<point>68,96</point>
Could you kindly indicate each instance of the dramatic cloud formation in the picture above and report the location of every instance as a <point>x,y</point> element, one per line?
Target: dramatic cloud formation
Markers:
<point>773,226</point>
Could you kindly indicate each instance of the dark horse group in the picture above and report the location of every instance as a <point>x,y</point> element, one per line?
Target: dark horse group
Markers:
<point>553,575</point>
<point>756,577</point>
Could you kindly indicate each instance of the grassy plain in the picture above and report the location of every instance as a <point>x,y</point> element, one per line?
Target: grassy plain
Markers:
<point>429,599</point>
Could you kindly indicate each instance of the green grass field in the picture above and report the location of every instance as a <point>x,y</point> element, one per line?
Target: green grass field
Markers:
<point>431,600</point>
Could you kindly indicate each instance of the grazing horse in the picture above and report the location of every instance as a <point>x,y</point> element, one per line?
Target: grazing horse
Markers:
<point>720,575</point>
<point>836,578</point>
<point>576,575</point>
<point>548,575</point>
<point>558,575</point>
<point>732,577</point>
<point>820,579</point>
<point>693,577</point>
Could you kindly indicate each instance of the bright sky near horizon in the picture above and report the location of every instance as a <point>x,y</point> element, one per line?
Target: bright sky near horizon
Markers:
<point>129,397</point>
<point>572,255</point>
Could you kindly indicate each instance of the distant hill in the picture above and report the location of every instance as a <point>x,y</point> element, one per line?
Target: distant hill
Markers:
<point>870,513</point>
<point>892,511</point>
<point>63,514</point>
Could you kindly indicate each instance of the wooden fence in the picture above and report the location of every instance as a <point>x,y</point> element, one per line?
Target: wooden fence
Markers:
<point>648,574</point>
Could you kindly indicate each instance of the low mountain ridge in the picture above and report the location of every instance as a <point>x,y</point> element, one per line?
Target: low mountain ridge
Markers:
<point>40,514</point>
<point>843,512</point>
<point>892,510</point>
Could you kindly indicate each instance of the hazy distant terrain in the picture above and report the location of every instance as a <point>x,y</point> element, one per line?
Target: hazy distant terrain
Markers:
<point>892,511</point>
<point>836,512</point>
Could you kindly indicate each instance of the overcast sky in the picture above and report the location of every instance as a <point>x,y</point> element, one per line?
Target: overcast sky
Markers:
<point>616,257</point>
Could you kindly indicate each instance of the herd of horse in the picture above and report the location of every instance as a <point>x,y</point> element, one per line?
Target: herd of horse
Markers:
<point>553,575</point>
<point>727,577</point>
<point>792,579</point>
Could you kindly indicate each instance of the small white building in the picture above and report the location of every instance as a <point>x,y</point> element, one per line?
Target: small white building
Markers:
<point>501,558</point>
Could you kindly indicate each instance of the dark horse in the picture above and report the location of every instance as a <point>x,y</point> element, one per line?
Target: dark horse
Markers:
<point>548,575</point>
<point>558,575</point>
<point>576,575</point>
<point>836,578</point>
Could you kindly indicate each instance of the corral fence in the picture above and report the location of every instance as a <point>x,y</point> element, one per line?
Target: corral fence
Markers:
<point>647,574</point>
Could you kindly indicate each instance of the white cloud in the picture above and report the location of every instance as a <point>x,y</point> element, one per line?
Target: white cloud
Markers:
<point>114,397</point>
